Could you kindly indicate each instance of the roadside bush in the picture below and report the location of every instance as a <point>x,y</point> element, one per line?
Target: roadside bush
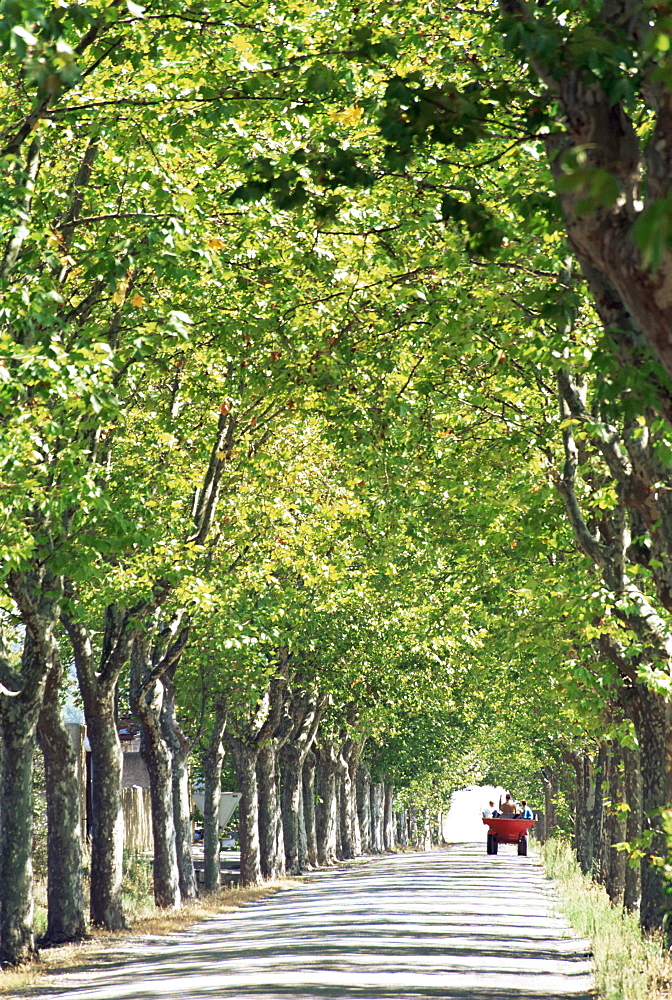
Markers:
<point>138,882</point>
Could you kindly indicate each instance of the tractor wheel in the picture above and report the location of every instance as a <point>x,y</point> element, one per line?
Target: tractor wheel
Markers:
<point>522,846</point>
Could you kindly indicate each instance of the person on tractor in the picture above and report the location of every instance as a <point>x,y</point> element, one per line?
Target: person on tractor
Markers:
<point>508,807</point>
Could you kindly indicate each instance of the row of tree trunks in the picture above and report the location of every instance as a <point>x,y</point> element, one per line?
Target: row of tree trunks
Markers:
<point>302,804</point>
<point>608,806</point>
<point>298,814</point>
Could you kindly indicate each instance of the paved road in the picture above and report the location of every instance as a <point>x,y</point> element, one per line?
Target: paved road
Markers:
<point>454,923</point>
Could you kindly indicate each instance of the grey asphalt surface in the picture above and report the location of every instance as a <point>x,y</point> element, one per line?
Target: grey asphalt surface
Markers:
<point>451,923</point>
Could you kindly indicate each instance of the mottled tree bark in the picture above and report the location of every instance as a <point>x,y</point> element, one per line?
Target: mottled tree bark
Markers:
<point>21,695</point>
<point>65,900</point>
<point>599,850</point>
<point>212,774</point>
<point>548,782</point>
<point>180,750</point>
<point>615,828</point>
<point>291,806</point>
<point>306,712</point>
<point>246,736</point>
<point>345,808</point>
<point>17,727</point>
<point>158,758</point>
<point>633,828</point>
<point>271,839</point>
<point>146,703</point>
<point>107,817</point>
<point>389,842</point>
<point>326,811</point>
<point>413,835</point>
<point>426,830</point>
<point>245,764</point>
<point>363,789</point>
<point>303,836</point>
<point>98,689</point>
<point>352,752</point>
<point>650,715</point>
<point>308,798</point>
<point>377,818</point>
<point>402,827</point>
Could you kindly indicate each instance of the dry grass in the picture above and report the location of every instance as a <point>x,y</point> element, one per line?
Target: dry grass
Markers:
<point>148,922</point>
<point>628,965</point>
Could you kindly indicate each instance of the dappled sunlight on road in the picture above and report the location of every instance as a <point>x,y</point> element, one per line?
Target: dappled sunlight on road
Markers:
<point>453,924</point>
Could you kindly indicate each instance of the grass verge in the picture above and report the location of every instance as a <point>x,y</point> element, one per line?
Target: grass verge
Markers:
<point>628,966</point>
<point>143,920</point>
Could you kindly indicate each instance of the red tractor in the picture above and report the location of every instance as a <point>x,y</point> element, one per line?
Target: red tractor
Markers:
<point>507,830</point>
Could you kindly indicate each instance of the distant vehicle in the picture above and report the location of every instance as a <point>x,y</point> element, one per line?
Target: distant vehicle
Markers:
<point>506,830</point>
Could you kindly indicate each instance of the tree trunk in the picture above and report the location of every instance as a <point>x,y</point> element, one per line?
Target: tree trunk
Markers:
<point>574,761</point>
<point>326,811</point>
<point>548,781</point>
<point>146,704</point>
<point>18,719</point>
<point>158,758</point>
<point>649,713</point>
<point>98,691</point>
<point>180,750</point>
<point>65,901</point>
<point>244,762</point>
<point>308,797</point>
<point>426,830</point>
<point>353,752</point>
<point>597,822</point>
<point>147,697</point>
<point>363,787</point>
<point>377,818</point>
<point>212,774</point>
<point>306,710</point>
<point>413,835</point>
<point>585,815</point>
<point>303,837</point>
<point>402,827</point>
<point>633,827</point>
<point>615,827</point>
<point>271,840</point>
<point>107,817</point>
<point>291,806</point>
<point>182,823</point>
<point>37,595</point>
<point>346,808</point>
<point>388,818</point>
